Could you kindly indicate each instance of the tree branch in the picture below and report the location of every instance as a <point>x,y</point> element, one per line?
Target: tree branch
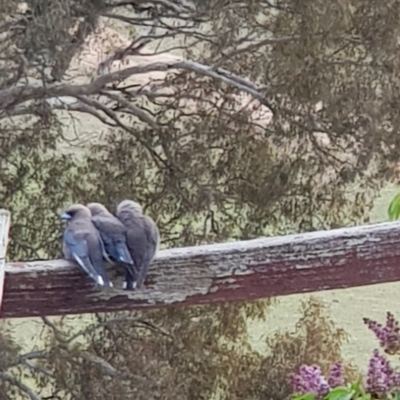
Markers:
<point>15,96</point>
<point>139,322</point>
<point>23,388</point>
<point>106,367</point>
<point>131,109</point>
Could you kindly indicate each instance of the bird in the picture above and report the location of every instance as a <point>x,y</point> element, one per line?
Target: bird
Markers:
<point>113,234</point>
<point>142,240</point>
<point>82,243</point>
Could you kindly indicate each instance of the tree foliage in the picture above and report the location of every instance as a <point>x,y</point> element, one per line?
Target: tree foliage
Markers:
<point>185,354</point>
<point>282,119</point>
<point>226,119</point>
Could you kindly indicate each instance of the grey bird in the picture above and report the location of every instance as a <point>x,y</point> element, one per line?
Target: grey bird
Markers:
<point>142,239</point>
<point>113,234</point>
<point>82,243</point>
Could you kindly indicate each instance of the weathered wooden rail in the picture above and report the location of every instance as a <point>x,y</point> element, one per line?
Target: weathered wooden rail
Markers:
<point>233,271</point>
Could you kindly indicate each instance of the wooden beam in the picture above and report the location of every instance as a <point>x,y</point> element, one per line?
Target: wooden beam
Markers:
<point>242,270</point>
<point>5,219</point>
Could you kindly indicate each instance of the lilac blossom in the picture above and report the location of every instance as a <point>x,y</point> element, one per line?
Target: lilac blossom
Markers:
<point>388,335</point>
<point>336,375</point>
<point>309,380</point>
<point>380,376</point>
<point>381,380</point>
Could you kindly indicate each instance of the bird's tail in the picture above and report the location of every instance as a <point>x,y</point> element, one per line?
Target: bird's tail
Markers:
<point>104,281</point>
<point>130,280</point>
<point>136,280</point>
<point>142,274</point>
<point>101,277</point>
<point>123,253</point>
<point>97,276</point>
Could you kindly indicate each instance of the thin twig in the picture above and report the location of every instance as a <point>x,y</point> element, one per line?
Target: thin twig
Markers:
<point>140,322</point>
<point>22,387</point>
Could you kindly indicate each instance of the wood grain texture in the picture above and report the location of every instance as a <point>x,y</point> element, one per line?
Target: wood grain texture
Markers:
<point>242,270</point>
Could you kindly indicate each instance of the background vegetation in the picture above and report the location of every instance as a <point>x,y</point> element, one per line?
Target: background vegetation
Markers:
<point>281,117</point>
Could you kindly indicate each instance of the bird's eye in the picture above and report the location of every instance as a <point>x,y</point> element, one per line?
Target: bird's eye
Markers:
<point>66,216</point>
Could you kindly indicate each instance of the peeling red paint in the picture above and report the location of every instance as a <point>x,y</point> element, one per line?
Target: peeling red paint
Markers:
<point>244,270</point>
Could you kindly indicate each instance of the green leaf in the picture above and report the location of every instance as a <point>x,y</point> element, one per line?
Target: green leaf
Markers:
<point>341,393</point>
<point>357,387</point>
<point>394,208</point>
<point>397,396</point>
<point>364,396</point>
<point>307,396</point>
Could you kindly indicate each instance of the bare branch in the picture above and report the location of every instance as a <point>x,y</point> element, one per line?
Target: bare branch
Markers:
<point>16,96</point>
<point>106,367</point>
<point>22,387</point>
<point>176,7</point>
<point>130,108</point>
<point>35,368</point>
<point>58,334</point>
<point>55,104</point>
<point>136,322</point>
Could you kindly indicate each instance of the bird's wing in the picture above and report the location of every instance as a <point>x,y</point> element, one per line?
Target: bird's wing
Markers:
<point>143,245</point>
<point>78,248</point>
<point>109,224</point>
<point>104,228</point>
<point>96,254</point>
<point>153,235</point>
<point>113,234</point>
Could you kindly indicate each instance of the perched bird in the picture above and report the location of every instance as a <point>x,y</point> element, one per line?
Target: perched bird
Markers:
<point>113,234</point>
<point>82,243</point>
<point>142,239</point>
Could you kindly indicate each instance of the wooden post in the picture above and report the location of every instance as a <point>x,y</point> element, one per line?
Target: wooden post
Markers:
<point>5,219</point>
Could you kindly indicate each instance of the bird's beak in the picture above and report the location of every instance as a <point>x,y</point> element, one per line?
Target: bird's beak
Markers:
<point>65,217</point>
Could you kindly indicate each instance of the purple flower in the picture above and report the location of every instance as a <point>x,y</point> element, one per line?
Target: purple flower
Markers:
<point>380,376</point>
<point>388,335</point>
<point>309,380</point>
<point>336,375</point>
